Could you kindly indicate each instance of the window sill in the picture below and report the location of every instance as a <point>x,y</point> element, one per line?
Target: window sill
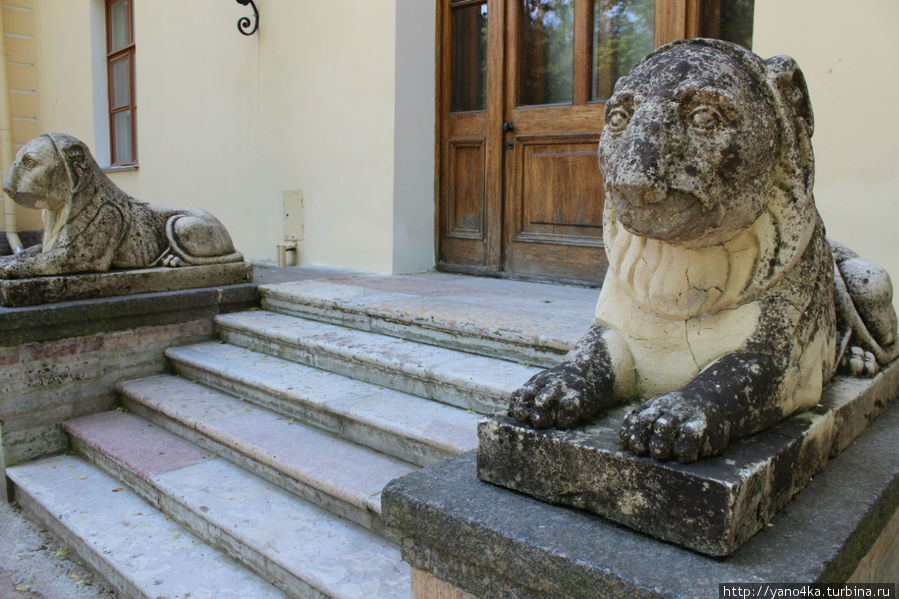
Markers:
<point>118,168</point>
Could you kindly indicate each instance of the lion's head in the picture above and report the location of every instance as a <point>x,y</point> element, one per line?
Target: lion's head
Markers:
<point>47,171</point>
<point>697,137</point>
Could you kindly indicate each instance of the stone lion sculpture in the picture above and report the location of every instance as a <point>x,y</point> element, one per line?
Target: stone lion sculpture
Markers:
<point>724,306</point>
<point>90,225</point>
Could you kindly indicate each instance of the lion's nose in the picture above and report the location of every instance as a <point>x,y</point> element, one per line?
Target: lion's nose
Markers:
<point>641,193</point>
<point>8,187</point>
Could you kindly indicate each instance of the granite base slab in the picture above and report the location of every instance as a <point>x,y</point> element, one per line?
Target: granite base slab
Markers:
<point>712,506</point>
<point>46,290</point>
<point>495,544</point>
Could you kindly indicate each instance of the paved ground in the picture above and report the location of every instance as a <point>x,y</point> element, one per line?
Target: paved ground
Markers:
<point>33,565</point>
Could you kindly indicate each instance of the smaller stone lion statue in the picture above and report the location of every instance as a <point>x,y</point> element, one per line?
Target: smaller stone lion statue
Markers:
<point>90,225</point>
<point>724,308</point>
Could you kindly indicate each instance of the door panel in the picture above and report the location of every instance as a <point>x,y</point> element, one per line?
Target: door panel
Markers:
<point>465,233</point>
<point>555,200</point>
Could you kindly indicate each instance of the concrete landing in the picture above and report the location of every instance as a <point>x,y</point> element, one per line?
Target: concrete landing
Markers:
<point>530,322</point>
<point>47,290</point>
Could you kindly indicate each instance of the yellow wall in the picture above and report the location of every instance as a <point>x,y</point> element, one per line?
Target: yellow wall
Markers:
<point>847,52</point>
<point>19,29</point>
<point>229,123</point>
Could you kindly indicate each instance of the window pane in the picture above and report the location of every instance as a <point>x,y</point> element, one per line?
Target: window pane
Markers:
<point>119,24</point>
<point>121,83</point>
<point>121,123</point>
<point>622,35</point>
<point>729,20</point>
<point>470,58</point>
<point>546,53</point>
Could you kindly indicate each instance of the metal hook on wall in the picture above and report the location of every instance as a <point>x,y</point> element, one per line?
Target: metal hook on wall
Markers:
<point>243,24</point>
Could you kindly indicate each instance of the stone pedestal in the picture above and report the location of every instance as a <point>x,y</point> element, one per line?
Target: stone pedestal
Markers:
<point>46,290</point>
<point>489,542</point>
<point>712,506</point>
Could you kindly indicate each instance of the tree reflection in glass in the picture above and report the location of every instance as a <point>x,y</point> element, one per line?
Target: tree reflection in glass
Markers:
<point>546,50</point>
<point>622,35</point>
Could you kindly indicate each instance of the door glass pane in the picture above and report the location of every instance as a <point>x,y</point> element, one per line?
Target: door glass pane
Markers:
<point>119,24</point>
<point>622,35</point>
<point>546,52</point>
<point>121,123</point>
<point>729,20</point>
<point>470,58</point>
<point>121,83</point>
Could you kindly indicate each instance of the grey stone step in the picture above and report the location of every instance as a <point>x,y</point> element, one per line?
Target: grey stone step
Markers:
<point>457,378</point>
<point>340,476</point>
<point>413,429</point>
<point>301,548</point>
<point>504,319</point>
<point>137,549</point>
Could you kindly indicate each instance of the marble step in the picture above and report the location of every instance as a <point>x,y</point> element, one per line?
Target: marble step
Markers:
<point>342,477</point>
<point>472,322</point>
<point>299,547</point>
<point>140,551</point>
<point>450,376</point>
<point>413,429</point>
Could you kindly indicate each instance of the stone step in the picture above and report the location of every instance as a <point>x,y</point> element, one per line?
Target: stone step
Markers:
<point>140,551</point>
<point>450,311</point>
<point>333,473</point>
<point>450,376</point>
<point>299,547</point>
<point>413,429</point>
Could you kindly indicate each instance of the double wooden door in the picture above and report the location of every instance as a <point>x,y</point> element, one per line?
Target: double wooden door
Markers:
<point>521,91</point>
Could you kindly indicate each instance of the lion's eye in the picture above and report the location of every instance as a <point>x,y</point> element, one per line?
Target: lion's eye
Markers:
<point>618,119</point>
<point>704,118</point>
<point>28,162</point>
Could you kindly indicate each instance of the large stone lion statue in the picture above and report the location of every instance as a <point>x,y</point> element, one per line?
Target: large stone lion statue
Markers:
<point>724,307</point>
<point>90,225</point>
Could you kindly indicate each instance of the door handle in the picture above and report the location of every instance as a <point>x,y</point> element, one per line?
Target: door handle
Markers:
<point>507,126</point>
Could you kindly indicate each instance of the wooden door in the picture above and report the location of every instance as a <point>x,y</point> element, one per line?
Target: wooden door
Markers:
<point>521,89</point>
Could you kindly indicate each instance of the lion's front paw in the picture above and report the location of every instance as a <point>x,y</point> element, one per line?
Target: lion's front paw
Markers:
<point>670,427</point>
<point>556,398</point>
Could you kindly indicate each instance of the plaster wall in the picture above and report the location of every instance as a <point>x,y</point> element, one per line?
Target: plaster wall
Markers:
<point>846,51</point>
<point>319,100</point>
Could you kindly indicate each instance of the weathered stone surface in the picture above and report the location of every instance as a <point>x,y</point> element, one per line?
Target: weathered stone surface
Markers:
<point>497,544</point>
<point>50,322</point>
<point>45,290</point>
<point>717,310</point>
<point>91,225</point>
<point>712,506</point>
<point>58,361</point>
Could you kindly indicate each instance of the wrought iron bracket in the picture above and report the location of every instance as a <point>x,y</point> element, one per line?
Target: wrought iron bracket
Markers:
<point>243,24</point>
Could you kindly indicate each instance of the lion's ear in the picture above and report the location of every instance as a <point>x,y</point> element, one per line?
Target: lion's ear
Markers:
<point>786,75</point>
<point>77,162</point>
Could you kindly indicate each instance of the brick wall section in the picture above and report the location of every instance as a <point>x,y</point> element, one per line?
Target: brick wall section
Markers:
<point>45,384</point>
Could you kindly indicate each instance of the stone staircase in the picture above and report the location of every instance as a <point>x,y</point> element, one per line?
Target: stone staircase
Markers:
<point>255,468</point>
